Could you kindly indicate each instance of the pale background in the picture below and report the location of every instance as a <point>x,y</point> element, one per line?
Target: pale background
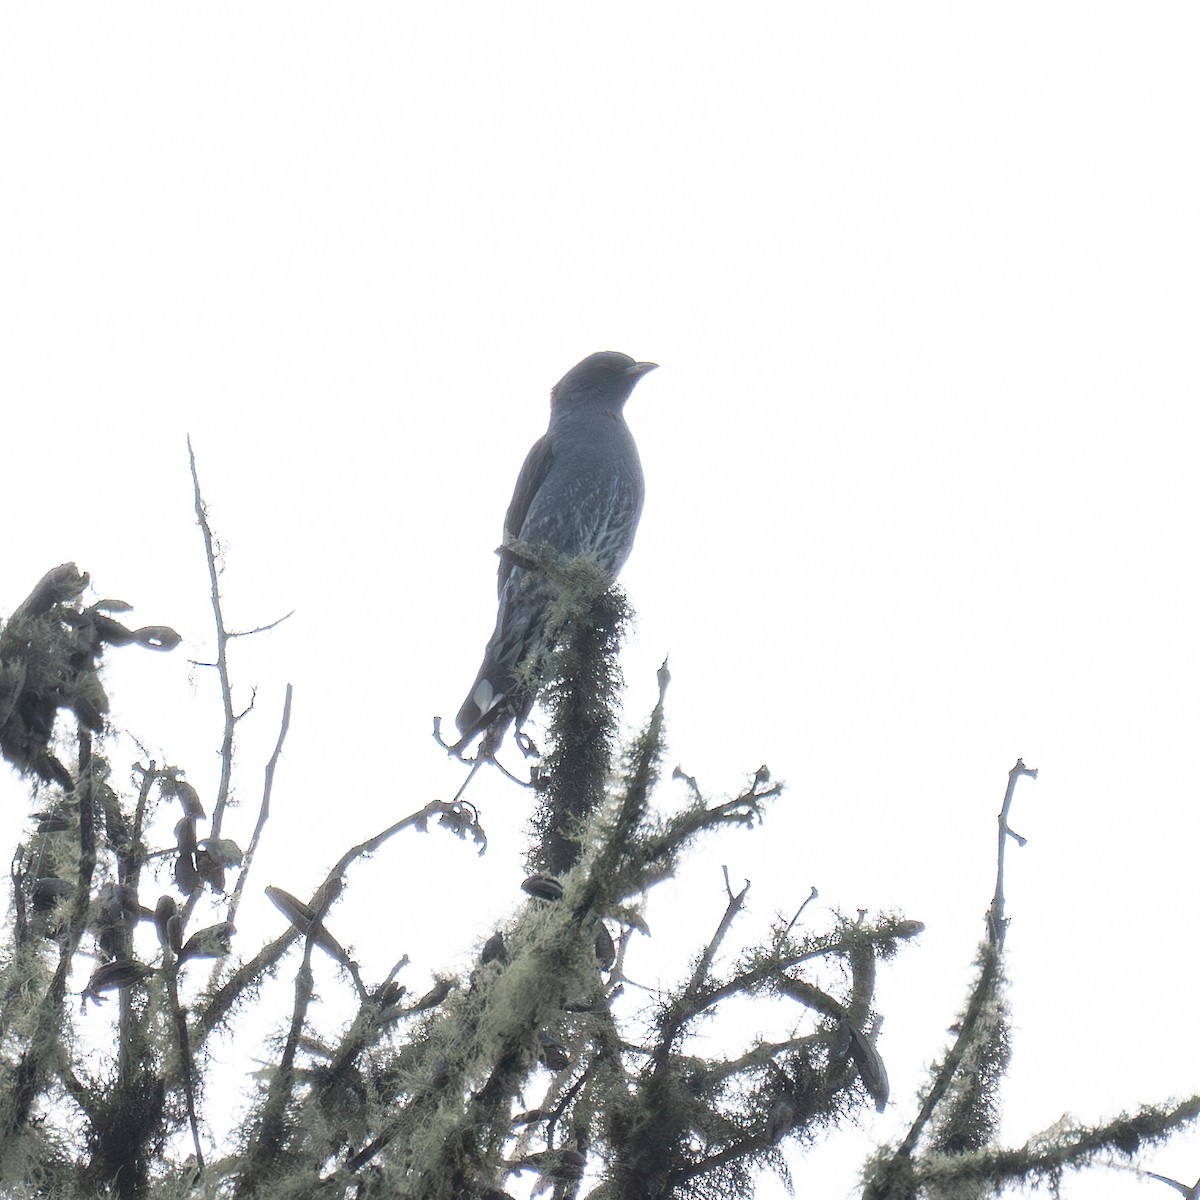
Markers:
<point>922,491</point>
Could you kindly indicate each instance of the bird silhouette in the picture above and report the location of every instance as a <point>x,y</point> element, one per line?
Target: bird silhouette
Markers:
<point>580,491</point>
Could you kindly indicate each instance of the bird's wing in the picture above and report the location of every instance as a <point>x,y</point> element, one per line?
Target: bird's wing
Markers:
<point>533,474</point>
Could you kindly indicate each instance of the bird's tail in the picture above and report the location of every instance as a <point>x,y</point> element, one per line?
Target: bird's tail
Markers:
<point>502,690</point>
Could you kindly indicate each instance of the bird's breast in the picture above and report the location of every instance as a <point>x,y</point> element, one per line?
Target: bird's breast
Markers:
<point>591,501</point>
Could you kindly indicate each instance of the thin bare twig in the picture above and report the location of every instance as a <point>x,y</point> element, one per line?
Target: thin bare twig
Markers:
<point>461,816</point>
<point>237,633</point>
<point>221,664</point>
<point>996,920</point>
<point>264,808</point>
<point>812,895</point>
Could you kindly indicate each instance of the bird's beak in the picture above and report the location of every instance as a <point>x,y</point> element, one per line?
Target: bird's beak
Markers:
<point>640,369</point>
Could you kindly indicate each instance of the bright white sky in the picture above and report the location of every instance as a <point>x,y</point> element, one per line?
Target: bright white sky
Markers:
<point>921,457</point>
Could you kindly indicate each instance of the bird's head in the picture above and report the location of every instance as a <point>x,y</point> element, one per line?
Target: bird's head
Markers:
<point>604,379</point>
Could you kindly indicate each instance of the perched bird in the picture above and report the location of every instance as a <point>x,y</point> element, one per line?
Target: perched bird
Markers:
<point>579,492</point>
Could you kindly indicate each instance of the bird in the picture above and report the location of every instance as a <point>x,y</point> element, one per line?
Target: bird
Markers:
<point>580,491</point>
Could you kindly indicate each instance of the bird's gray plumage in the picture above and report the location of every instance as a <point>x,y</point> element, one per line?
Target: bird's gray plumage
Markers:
<point>579,492</point>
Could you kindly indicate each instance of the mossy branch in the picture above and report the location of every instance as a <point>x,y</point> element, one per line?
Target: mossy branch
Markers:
<point>423,1099</point>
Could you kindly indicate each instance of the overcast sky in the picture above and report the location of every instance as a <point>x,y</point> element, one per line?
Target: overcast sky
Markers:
<point>921,455</point>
